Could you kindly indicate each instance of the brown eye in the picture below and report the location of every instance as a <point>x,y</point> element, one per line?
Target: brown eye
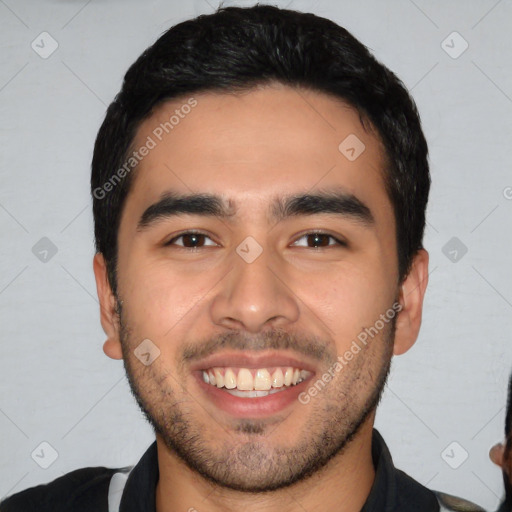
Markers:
<point>190,240</point>
<point>319,240</point>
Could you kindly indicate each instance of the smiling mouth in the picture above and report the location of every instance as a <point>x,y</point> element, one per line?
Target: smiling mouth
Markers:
<point>254,383</point>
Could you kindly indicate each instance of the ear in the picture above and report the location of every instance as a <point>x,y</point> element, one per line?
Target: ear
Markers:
<point>412,292</point>
<point>108,315</point>
<point>496,454</point>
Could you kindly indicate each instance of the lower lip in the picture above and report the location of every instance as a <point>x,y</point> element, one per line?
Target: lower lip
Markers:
<point>251,407</point>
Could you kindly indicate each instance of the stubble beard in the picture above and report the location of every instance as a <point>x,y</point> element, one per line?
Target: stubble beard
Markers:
<point>245,460</point>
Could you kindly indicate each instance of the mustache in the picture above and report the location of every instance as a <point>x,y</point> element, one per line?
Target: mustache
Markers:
<point>310,346</point>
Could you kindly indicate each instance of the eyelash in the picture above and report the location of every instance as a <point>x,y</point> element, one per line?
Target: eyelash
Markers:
<point>339,242</point>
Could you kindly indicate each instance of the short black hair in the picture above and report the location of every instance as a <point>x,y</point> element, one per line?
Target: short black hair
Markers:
<point>508,414</point>
<point>508,447</point>
<point>238,49</point>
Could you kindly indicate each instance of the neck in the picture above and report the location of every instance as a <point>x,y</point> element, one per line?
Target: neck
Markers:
<point>343,485</point>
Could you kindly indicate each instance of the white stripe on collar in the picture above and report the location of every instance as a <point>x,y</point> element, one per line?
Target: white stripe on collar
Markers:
<point>115,489</point>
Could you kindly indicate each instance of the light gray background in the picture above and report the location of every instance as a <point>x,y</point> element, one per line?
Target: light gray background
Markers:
<point>59,387</point>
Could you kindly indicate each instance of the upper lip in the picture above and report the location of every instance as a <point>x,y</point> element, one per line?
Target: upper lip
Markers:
<point>252,361</point>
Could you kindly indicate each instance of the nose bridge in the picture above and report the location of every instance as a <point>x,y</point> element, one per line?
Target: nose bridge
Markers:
<point>253,293</point>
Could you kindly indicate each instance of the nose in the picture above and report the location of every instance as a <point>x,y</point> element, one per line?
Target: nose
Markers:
<point>255,295</point>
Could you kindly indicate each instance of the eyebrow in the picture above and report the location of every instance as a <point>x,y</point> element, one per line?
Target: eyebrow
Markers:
<point>337,202</point>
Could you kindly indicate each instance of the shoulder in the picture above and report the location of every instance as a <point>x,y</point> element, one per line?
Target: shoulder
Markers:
<point>411,491</point>
<point>448,502</point>
<point>80,490</point>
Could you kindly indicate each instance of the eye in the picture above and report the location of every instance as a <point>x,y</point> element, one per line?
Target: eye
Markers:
<point>196,240</point>
<point>190,240</point>
<point>320,239</point>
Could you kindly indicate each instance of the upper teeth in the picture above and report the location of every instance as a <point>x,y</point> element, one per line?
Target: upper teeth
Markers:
<point>254,379</point>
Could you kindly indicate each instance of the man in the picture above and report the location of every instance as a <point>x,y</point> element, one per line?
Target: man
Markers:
<point>259,189</point>
<point>501,454</point>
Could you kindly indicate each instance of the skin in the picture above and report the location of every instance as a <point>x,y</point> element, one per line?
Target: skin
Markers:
<point>251,148</point>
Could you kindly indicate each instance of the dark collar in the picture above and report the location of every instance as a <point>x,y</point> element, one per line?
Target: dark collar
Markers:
<point>392,490</point>
<point>140,488</point>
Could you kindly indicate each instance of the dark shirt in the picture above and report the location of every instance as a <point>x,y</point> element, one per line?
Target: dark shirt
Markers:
<point>505,507</point>
<point>87,489</point>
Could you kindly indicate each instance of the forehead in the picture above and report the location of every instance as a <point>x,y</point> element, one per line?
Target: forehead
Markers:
<point>253,146</point>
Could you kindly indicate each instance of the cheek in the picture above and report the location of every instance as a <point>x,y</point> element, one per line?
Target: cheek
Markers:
<point>346,299</point>
<point>158,296</point>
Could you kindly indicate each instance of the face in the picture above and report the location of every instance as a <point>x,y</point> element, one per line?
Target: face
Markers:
<point>252,286</point>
